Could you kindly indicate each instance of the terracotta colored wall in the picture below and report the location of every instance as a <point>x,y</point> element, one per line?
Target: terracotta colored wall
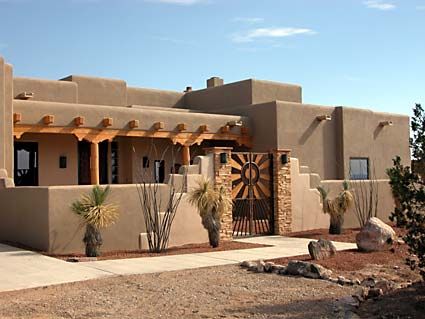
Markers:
<point>50,148</point>
<point>142,96</point>
<point>47,90</point>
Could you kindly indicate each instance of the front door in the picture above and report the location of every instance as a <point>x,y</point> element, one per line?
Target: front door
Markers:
<point>252,194</point>
<point>26,164</point>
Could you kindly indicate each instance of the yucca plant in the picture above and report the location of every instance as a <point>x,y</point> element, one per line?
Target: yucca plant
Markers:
<point>96,214</point>
<point>211,204</point>
<point>336,207</point>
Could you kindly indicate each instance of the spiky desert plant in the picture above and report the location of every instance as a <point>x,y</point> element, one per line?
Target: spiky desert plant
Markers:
<point>96,214</point>
<point>211,204</point>
<point>337,207</point>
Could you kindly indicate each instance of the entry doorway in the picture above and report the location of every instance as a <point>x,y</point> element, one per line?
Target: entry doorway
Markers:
<point>26,163</point>
<point>108,163</point>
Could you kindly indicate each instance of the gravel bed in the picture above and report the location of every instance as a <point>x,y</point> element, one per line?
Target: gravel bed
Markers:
<point>216,292</point>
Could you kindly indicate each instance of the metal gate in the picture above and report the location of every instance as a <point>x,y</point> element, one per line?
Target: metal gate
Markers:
<point>252,194</point>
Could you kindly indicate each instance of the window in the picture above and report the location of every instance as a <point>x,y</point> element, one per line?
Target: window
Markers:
<point>159,171</point>
<point>359,168</point>
<point>114,163</point>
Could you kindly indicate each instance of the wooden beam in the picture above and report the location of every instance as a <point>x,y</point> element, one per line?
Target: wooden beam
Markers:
<point>17,117</point>
<point>133,124</point>
<point>99,135</point>
<point>107,121</point>
<point>48,119</point>
<point>204,128</point>
<point>225,129</point>
<point>186,155</point>
<point>94,163</point>
<point>182,127</point>
<point>159,126</point>
<point>79,120</point>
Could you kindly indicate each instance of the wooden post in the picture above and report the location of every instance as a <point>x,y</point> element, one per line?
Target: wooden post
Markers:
<point>94,163</point>
<point>186,155</point>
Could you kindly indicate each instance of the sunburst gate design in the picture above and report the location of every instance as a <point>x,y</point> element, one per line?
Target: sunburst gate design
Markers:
<point>251,193</point>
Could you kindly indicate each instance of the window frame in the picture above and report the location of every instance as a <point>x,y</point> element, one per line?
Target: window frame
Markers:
<point>359,158</point>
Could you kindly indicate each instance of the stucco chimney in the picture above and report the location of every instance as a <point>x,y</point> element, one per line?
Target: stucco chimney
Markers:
<point>214,81</point>
<point>188,89</point>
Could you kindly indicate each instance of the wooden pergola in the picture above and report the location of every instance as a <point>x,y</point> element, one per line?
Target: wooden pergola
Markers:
<point>98,135</point>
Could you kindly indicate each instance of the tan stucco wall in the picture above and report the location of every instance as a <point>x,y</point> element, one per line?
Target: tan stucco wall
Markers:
<point>23,216</point>
<point>6,88</point>
<point>314,143</point>
<point>307,210</point>
<point>364,137</point>
<point>162,98</point>
<point>47,90</point>
<point>99,91</point>
<point>268,91</point>
<point>34,111</point>
<point>50,148</point>
<point>55,228</point>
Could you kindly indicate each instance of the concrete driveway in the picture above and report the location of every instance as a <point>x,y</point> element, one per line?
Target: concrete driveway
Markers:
<point>21,269</point>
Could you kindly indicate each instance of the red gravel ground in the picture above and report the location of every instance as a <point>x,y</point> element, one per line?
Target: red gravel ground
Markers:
<point>185,249</point>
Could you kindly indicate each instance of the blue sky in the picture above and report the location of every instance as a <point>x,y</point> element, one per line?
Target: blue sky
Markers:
<point>343,52</point>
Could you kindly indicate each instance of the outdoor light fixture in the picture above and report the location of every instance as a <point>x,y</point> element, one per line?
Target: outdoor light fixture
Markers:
<point>62,161</point>
<point>284,159</point>
<point>223,158</point>
<point>321,118</point>
<point>235,123</point>
<point>386,123</point>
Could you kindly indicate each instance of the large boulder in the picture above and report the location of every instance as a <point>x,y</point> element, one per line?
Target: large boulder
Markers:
<point>321,249</point>
<point>375,236</point>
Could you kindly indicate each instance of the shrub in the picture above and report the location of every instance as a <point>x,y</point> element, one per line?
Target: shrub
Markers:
<point>211,203</point>
<point>96,214</point>
<point>336,207</point>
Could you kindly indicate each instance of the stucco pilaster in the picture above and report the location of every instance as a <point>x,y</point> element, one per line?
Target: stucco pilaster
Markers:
<point>223,177</point>
<point>282,192</point>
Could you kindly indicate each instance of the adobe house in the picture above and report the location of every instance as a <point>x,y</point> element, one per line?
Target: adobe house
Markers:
<point>256,137</point>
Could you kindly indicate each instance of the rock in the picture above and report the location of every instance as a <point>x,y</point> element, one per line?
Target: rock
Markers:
<point>247,264</point>
<point>268,266</point>
<point>309,270</point>
<point>385,285</point>
<point>374,293</point>
<point>321,249</point>
<point>369,282</point>
<point>261,266</point>
<point>361,294</point>
<point>276,269</point>
<point>375,236</point>
<point>283,271</point>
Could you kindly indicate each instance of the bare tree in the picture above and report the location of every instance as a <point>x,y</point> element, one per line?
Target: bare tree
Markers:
<point>159,208</point>
<point>366,198</point>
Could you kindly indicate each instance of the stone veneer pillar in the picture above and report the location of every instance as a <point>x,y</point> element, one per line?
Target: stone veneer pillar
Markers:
<point>223,177</point>
<point>282,192</point>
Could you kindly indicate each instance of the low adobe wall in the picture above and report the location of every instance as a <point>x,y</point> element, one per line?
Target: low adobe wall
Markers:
<point>307,213</point>
<point>41,218</point>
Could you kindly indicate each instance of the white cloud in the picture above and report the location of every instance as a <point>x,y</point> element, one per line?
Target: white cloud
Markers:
<point>179,2</point>
<point>248,20</point>
<point>380,5</point>
<point>262,33</point>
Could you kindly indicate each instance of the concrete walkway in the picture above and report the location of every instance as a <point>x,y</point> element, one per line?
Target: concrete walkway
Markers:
<point>20,269</point>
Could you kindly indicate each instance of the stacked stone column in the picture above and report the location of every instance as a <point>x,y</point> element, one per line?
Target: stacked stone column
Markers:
<point>282,192</point>
<point>223,177</point>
